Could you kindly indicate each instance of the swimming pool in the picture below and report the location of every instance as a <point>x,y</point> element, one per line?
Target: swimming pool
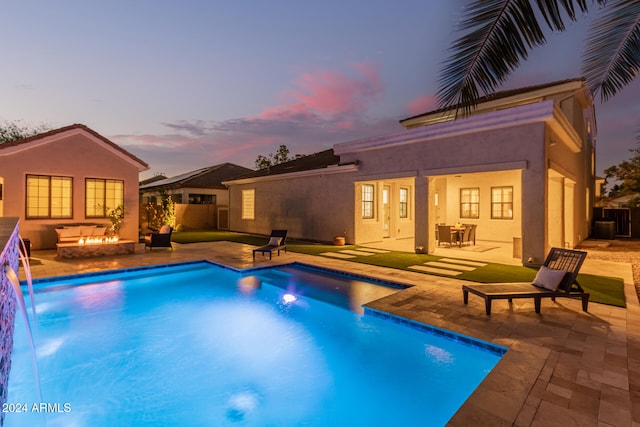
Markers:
<point>203,345</point>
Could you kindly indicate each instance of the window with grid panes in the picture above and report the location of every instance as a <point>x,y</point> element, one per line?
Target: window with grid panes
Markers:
<point>502,202</point>
<point>102,195</point>
<point>469,203</point>
<point>367,201</point>
<point>49,197</point>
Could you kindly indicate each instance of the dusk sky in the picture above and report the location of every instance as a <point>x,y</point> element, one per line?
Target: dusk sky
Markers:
<point>184,85</point>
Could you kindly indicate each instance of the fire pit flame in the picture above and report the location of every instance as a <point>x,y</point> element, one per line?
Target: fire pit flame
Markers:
<point>101,240</point>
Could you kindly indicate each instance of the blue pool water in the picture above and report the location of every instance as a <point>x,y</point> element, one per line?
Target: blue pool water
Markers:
<point>203,345</point>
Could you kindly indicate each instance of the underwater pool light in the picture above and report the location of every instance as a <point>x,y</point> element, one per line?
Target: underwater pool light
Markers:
<point>289,298</point>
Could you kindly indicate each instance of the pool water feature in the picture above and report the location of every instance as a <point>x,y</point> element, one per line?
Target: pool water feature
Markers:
<point>203,345</point>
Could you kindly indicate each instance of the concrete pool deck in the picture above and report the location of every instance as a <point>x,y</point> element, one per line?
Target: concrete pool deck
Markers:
<point>564,367</point>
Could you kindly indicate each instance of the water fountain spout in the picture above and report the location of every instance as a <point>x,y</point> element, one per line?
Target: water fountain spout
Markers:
<point>24,259</point>
<point>13,278</point>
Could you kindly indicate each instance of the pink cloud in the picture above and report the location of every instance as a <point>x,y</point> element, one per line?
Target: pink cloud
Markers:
<point>319,108</point>
<point>329,93</point>
<point>422,104</point>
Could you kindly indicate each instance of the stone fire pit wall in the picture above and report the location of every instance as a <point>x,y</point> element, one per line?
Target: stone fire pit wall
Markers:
<point>9,257</point>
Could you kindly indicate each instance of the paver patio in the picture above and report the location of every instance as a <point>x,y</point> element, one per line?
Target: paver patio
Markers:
<point>564,367</point>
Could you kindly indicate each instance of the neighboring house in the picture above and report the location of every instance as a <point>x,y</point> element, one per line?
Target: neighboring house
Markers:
<point>67,176</point>
<point>521,167</point>
<point>624,211</point>
<point>626,201</point>
<point>152,179</point>
<point>201,200</point>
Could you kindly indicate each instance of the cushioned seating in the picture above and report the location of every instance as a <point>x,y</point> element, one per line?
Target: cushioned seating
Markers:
<point>277,241</point>
<point>73,233</point>
<point>556,278</point>
<point>159,239</point>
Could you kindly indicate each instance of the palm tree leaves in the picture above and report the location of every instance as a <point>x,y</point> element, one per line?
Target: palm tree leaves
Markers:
<point>498,34</point>
<point>552,12</point>
<point>612,57</point>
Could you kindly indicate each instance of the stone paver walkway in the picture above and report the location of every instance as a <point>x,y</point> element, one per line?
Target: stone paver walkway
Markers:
<point>564,367</point>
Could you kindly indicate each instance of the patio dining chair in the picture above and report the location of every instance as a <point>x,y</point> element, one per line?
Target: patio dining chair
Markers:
<point>445,235</point>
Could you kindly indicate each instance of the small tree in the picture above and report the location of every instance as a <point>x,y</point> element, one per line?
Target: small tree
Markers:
<point>168,210</point>
<point>272,159</point>
<point>163,213</point>
<point>12,131</point>
<point>627,173</point>
<point>116,216</point>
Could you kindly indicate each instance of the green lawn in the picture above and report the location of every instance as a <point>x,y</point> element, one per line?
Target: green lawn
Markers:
<point>605,290</point>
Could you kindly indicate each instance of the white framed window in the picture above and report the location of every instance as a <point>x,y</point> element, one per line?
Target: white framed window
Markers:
<point>248,204</point>
<point>404,203</point>
<point>367,201</point>
<point>49,197</point>
<point>502,202</point>
<point>102,195</point>
<point>469,203</point>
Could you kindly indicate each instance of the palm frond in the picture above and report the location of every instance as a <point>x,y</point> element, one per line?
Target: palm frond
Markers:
<point>551,11</point>
<point>499,33</point>
<point>612,58</point>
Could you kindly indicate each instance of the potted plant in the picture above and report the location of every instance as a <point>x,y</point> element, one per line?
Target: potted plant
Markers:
<point>340,239</point>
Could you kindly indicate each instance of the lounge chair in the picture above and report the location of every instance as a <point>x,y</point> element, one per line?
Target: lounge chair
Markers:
<point>277,241</point>
<point>159,239</point>
<point>556,278</point>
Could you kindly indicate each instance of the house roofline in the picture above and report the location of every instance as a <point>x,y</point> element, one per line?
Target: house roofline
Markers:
<point>329,170</point>
<point>525,95</point>
<point>54,135</point>
<point>544,111</point>
<point>187,179</point>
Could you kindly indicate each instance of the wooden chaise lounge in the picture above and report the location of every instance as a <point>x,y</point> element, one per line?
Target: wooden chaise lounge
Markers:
<point>555,279</point>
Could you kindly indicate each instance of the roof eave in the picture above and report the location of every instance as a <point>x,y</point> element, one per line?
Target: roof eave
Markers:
<point>329,170</point>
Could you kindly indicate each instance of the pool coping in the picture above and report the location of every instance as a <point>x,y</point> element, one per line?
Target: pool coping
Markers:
<point>389,283</point>
<point>444,333</point>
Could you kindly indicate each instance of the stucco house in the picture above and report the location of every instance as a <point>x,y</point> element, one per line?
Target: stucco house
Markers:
<point>70,175</point>
<point>201,200</point>
<point>521,167</point>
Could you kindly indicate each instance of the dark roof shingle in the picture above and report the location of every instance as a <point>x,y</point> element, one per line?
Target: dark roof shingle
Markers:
<point>320,160</point>
<point>210,177</point>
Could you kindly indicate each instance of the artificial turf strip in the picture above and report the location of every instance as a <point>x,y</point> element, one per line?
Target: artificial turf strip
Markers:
<point>604,290</point>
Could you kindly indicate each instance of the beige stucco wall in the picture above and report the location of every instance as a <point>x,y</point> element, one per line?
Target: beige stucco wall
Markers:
<point>317,207</point>
<point>372,229</point>
<point>469,157</point>
<point>488,229</point>
<point>77,156</point>
<point>574,173</point>
<point>519,155</point>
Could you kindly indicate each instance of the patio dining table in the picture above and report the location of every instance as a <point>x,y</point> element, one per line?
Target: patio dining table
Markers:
<point>458,233</point>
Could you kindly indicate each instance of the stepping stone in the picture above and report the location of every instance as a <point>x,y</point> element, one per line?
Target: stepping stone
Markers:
<point>447,265</point>
<point>375,251</point>
<point>463,261</point>
<point>435,270</point>
<point>352,252</point>
<point>337,255</point>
